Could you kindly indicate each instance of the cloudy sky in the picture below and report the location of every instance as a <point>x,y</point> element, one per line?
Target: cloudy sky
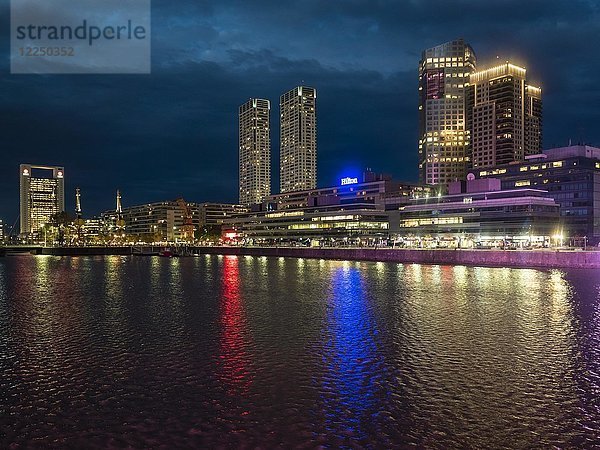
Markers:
<point>174,132</point>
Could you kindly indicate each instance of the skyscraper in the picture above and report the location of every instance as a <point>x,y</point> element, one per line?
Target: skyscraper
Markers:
<point>443,137</point>
<point>42,195</point>
<point>254,151</point>
<point>298,139</point>
<point>533,120</point>
<point>505,116</point>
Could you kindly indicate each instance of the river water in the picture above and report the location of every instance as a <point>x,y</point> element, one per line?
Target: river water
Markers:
<point>225,351</point>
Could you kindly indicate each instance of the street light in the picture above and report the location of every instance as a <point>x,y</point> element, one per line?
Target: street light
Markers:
<point>558,237</point>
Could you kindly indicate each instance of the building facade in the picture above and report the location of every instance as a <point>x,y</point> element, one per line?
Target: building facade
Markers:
<point>352,212</point>
<point>533,120</point>
<point>254,151</point>
<point>478,213</point>
<point>214,214</point>
<point>444,73</point>
<point>298,139</point>
<point>170,221</point>
<point>42,190</point>
<point>570,175</point>
<point>504,116</point>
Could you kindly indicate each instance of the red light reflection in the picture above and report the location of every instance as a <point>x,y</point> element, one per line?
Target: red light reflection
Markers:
<point>234,358</point>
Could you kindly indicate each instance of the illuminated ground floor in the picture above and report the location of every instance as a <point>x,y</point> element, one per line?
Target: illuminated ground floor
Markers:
<point>312,227</point>
<point>476,241</point>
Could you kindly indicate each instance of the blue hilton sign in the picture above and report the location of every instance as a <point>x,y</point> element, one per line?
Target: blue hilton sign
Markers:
<point>348,180</point>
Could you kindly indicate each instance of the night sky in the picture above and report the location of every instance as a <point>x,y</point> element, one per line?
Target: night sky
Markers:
<point>174,133</point>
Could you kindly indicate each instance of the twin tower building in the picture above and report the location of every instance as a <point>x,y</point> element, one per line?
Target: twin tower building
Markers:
<point>472,118</point>
<point>298,145</point>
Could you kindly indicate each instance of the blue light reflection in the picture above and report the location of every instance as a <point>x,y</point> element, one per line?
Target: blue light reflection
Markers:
<point>350,355</point>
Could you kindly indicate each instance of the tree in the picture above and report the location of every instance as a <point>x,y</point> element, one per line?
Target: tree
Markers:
<point>61,221</point>
<point>210,233</point>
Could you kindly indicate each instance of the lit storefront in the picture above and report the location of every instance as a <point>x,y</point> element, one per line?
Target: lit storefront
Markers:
<point>312,226</point>
<point>477,214</point>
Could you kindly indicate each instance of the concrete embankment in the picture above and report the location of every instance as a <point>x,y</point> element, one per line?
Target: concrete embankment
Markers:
<point>509,258</point>
<point>492,258</point>
<point>83,251</point>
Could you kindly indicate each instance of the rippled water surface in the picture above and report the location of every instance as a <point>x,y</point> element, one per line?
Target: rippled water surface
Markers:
<point>271,352</point>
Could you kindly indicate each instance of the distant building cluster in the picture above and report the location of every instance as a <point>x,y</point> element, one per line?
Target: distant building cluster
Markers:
<point>484,180</point>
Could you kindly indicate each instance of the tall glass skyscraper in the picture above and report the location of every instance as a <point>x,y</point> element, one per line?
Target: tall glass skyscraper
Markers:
<point>298,139</point>
<point>255,151</point>
<point>42,195</point>
<point>444,73</point>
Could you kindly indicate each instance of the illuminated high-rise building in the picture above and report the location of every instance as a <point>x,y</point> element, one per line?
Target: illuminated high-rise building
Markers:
<point>444,73</point>
<point>533,120</point>
<point>42,195</point>
<point>504,117</point>
<point>298,139</point>
<point>255,151</point>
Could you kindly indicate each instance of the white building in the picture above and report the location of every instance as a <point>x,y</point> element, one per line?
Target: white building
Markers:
<point>42,195</point>
<point>298,139</point>
<point>254,151</point>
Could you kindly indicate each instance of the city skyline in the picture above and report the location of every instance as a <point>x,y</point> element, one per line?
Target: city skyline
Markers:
<point>363,95</point>
<point>308,224</point>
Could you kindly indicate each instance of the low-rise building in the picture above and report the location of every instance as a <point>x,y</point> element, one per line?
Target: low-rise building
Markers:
<point>213,214</point>
<point>570,175</point>
<point>170,221</point>
<point>478,213</point>
<point>352,212</point>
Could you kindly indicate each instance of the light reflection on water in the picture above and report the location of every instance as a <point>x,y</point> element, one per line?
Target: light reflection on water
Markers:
<point>240,351</point>
<point>235,362</point>
<point>349,386</point>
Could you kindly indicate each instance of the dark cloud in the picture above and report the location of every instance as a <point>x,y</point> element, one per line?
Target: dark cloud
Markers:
<point>174,132</point>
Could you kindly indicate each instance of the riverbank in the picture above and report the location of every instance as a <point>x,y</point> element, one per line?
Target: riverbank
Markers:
<point>562,259</point>
<point>490,258</point>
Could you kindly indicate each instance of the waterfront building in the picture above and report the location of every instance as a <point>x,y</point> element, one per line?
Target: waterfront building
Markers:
<point>42,190</point>
<point>375,189</point>
<point>444,73</point>
<point>158,222</point>
<point>571,176</point>
<point>310,226</point>
<point>171,221</point>
<point>504,116</point>
<point>478,213</point>
<point>254,151</point>
<point>350,212</point>
<point>298,139</point>
<point>211,214</point>
<point>92,228</point>
<point>2,232</point>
